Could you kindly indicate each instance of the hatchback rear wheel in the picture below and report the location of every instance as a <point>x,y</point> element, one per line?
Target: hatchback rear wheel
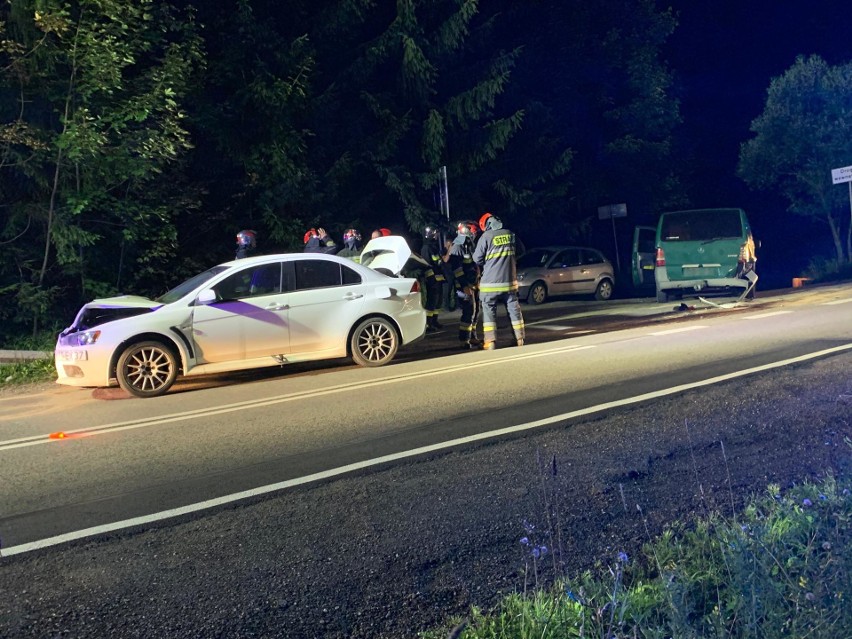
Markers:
<point>147,369</point>
<point>374,342</point>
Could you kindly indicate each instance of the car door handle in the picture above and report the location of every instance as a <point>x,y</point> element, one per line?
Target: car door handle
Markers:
<point>277,307</point>
<point>352,296</point>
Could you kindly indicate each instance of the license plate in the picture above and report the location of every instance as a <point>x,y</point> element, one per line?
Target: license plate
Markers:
<point>73,356</point>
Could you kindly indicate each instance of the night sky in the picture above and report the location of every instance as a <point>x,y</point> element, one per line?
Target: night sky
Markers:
<point>724,55</point>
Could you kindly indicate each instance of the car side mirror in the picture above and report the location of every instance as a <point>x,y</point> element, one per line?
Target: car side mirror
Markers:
<point>207,296</point>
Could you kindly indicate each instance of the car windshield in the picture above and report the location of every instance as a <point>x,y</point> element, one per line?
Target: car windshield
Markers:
<point>534,258</point>
<point>189,285</point>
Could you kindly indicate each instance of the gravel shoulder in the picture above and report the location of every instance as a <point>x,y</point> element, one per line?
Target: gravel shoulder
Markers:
<point>401,549</point>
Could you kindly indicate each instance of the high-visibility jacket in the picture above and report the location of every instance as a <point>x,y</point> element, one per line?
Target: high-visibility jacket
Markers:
<point>431,252</point>
<point>495,254</point>
<point>460,261</point>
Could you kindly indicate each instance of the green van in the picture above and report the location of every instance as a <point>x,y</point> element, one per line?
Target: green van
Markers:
<point>704,251</point>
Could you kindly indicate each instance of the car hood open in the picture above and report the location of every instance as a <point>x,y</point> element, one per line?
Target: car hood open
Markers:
<point>387,254</point>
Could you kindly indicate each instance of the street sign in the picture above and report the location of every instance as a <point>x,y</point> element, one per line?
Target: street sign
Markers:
<point>616,210</point>
<point>839,176</point>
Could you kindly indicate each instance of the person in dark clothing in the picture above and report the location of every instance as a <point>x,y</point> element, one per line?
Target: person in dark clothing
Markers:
<point>465,276</point>
<point>431,252</point>
<point>246,243</point>
<point>495,254</point>
<point>351,245</point>
<point>318,241</point>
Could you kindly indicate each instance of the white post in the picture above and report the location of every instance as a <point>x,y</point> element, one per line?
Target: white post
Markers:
<point>849,232</point>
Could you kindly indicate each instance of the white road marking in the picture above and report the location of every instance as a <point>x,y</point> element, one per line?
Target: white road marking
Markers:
<point>762,315</point>
<point>682,329</point>
<point>837,302</point>
<point>554,327</point>
<point>342,470</point>
<point>517,354</point>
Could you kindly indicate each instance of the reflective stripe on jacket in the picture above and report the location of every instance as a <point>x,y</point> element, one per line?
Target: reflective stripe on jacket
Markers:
<point>495,253</point>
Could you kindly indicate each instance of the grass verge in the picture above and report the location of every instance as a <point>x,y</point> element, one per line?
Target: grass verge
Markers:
<point>27,372</point>
<point>781,568</point>
<point>33,370</point>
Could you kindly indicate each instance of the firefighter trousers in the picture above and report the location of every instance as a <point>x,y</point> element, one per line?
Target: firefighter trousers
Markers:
<point>509,299</point>
<point>469,305</point>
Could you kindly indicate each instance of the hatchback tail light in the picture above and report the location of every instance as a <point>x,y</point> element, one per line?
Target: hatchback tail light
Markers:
<point>415,288</point>
<point>661,257</point>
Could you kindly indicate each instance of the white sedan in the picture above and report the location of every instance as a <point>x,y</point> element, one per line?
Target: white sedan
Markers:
<point>250,313</point>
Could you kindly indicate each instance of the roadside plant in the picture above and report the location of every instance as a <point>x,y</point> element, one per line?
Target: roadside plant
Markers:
<point>780,569</point>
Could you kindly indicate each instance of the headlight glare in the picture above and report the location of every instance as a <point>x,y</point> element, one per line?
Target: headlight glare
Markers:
<point>87,338</point>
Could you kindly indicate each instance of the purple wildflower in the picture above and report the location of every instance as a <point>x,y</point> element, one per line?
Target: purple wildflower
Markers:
<point>807,502</point>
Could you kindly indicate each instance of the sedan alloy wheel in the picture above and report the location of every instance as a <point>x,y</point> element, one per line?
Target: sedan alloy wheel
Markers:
<point>147,369</point>
<point>374,342</point>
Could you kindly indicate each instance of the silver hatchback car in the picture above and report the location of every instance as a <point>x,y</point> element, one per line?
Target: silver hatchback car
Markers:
<point>564,270</point>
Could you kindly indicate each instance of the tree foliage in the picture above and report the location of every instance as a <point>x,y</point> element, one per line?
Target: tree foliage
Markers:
<point>92,123</point>
<point>600,83</point>
<point>804,132</point>
<point>137,136</point>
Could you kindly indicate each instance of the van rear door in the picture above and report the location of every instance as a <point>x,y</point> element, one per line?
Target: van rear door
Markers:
<point>642,260</point>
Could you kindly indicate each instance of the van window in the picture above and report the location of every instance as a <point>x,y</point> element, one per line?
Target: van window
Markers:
<point>697,226</point>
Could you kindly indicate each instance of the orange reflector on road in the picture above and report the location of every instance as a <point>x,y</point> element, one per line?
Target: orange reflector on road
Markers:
<point>59,435</point>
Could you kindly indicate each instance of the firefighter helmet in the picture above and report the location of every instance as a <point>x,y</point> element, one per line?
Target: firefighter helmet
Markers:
<point>430,232</point>
<point>247,239</point>
<point>310,233</point>
<point>350,235</point>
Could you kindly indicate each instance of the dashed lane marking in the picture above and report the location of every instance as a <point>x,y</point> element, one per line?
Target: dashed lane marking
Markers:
<point>492,360</point>
<point>762,315</point>
<point>681,329</point>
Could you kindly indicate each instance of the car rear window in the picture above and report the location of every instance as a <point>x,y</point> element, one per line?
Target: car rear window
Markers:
<point>692,226</point>
<point>322,274</point>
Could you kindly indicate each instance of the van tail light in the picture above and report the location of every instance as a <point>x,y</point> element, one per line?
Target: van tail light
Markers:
<point>661,257</point>
<point>415,288</point>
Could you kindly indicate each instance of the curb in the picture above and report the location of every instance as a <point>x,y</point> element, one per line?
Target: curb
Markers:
<point>11,357</point>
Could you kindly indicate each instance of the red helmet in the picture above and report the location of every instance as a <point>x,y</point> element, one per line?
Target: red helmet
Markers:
<point>311,233</point>
<point>483,220</point>
<point>385,232</point>
<point>246,239</point>
<point>468,228</point>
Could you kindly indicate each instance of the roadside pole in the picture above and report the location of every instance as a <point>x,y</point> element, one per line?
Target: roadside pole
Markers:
<point>613,211</point>
<point>445,193</point>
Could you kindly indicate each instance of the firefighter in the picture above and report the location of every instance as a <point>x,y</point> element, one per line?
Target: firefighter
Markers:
<point>351,245</point>
<point>498,284</point>
<point>246,243</point>
<point>465,275</point>
<point>431,252</point>
<point>382,232</point>
<point>318,241</point>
